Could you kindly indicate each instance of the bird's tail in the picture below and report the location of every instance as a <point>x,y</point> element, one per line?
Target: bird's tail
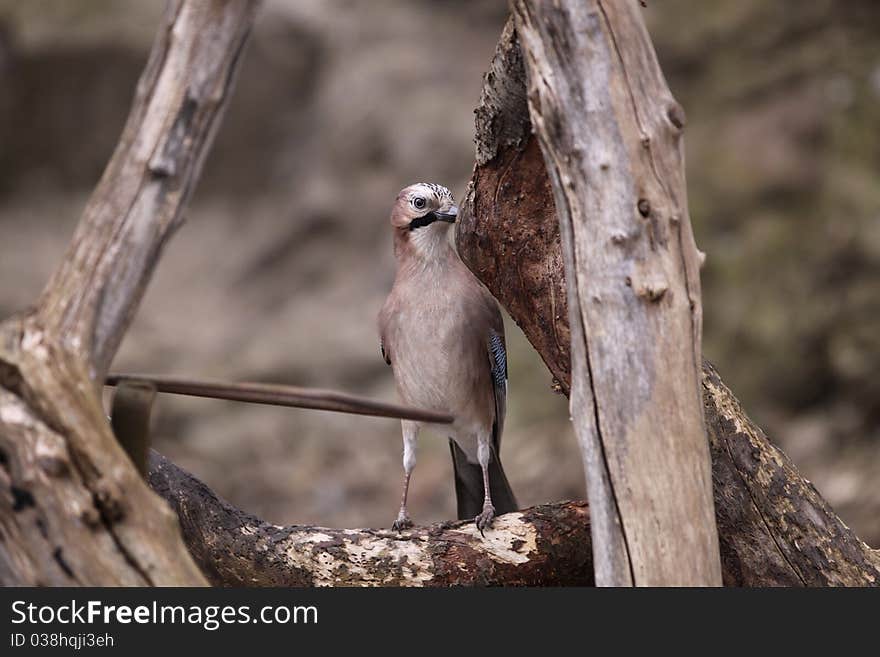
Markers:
<point>469,485</point>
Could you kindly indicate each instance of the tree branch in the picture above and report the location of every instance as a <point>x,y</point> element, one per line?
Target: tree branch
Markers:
<point>545,545</point>
<point>138,203</point>
<point>73,509</point>
<point>281,395</point>
<point>598,103</point>
<point>774,527</point>
<point>775,530</point>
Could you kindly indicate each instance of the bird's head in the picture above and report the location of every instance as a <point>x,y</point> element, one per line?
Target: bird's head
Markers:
<point>421,218</point>
<point>421,205</point>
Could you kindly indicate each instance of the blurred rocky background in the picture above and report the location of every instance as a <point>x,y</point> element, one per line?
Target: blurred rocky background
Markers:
<point>285,257</point>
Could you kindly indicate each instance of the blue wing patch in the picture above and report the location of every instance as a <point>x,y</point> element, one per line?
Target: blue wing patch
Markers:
<point>499,359</point>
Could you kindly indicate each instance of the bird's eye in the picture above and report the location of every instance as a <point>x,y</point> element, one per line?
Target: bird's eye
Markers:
<point>419,203</point>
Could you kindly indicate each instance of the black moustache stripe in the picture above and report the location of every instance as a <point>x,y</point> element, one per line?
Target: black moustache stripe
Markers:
<point>424,220</point>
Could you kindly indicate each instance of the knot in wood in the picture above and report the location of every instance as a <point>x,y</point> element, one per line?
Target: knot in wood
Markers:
<point>675,114</point>
<point>54,465</point>
<point>652,289</point>
<point>109,501</point>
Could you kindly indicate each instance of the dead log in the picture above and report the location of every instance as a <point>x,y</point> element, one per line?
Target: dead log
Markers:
<point>545,545</point>
<point>774,527</point>
<point>73,509</point>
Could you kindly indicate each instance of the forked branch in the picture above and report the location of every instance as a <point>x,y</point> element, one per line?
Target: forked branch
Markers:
<point>73,510</point>
<point>774,527</point>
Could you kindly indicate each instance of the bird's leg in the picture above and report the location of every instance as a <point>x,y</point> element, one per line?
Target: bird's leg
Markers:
<point>403,521</point>
<point>410,432</point>
<point>484,520</point>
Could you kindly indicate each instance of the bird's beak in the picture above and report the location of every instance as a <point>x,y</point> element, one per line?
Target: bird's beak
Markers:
<point>449,215</point>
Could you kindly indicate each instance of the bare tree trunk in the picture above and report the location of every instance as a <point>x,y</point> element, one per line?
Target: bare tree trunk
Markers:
<point>774,527</point>
<point>601,108</point>
<point>73,508</point>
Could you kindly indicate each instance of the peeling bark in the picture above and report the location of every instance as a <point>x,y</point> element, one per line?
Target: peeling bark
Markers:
<point>774,527</point>
<point>545,545</point>
<point>73,509</point>
<point>500,202</point>
<point>507,230</point>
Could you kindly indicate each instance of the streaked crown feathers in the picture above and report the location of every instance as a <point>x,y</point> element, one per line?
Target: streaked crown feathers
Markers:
<point>439,192</point>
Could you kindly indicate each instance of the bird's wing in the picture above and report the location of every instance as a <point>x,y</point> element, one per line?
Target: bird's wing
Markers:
<point>498,364</point>
<point>385,315</point>
<point>469,491</point>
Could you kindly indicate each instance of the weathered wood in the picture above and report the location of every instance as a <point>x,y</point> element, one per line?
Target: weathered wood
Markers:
<point>139,201</point>
<point>73,510</point>
<point>544,545</point>
<point>601,110</point>
<point>774,527</point>
<point>775,530</point>
<point>510,182</point>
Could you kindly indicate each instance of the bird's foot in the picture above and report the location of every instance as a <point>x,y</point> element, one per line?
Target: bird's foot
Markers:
<point>402,522</point>
<point>484,520</point>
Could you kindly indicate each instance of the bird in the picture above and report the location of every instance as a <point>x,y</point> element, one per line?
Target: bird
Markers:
<point>442,333</point>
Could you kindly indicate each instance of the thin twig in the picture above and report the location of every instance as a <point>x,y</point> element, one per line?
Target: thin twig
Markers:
<point>281,395</point>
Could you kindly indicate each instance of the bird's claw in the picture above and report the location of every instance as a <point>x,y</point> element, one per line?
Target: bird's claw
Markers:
<point>484,520</point>
<point>402,522</point>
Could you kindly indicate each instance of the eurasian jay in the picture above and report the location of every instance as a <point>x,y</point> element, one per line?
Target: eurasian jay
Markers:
<point>442,333</point>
